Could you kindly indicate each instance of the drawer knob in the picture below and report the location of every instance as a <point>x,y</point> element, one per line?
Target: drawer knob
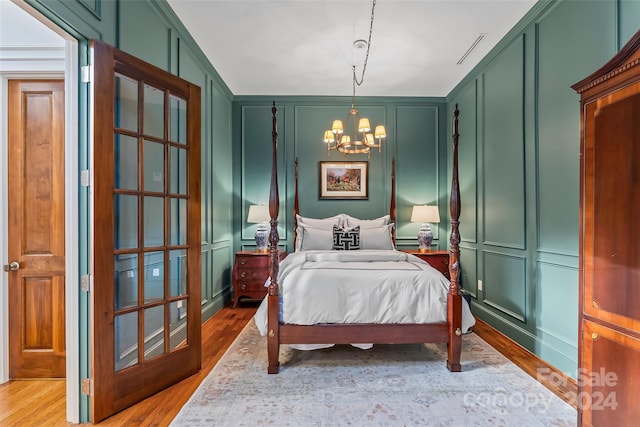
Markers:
<point>243,261</point>
<point>243,286</point>
<point>243,274</point>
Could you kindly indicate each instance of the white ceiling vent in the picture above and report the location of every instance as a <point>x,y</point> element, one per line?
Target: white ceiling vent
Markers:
<point>473,46</point>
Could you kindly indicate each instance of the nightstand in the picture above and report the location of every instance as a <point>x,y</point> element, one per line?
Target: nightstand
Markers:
<point>437,259</point>
<point>250,271</point>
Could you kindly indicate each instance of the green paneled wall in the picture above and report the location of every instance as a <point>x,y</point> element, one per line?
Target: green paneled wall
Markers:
<point>157,33</point>
<point>416,140</point>
<point>520,115</point>
<point>418,149</point>
<point>503,149</point>
<point>558,143</point>
<point>151,31</point>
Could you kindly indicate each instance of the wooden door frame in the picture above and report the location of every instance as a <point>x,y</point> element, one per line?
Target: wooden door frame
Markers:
<point>71,144</point>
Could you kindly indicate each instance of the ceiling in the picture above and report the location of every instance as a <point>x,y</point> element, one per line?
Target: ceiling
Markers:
<point>305,47</point>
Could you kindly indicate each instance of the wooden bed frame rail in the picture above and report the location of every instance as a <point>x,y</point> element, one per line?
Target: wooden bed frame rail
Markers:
<point>449,331</point>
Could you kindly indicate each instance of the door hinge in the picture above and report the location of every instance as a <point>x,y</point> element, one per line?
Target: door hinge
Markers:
<point>86,386</point>
<point>85,178</point>
<point>86,282</point>
<point>86,72</point>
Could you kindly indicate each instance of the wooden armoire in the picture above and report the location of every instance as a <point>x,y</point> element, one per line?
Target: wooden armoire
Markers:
<point>609,337</point>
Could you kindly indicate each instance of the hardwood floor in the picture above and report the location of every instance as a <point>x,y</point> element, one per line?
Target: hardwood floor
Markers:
<point>42,403</point>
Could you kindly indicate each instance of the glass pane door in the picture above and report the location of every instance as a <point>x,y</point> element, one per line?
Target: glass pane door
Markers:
<point>147,230</point>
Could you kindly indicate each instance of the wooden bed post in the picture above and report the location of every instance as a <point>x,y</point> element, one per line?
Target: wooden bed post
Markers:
<point>273,333</point>
<point>454,299</point>
<point>392,203</point>
<point>296,210</point>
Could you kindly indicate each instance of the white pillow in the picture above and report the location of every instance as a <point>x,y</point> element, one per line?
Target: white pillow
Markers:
<point>366,223</point>
<point>315,239</point>
<point>322,224</point>
<point>377,238</point>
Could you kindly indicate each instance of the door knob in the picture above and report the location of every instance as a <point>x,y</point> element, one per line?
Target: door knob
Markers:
<point>13,266</point>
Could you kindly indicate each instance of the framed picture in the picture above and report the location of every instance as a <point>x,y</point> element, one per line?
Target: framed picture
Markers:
<point>344,180</point>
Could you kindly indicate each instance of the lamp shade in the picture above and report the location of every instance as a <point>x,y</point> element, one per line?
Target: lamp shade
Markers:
<point>258,213</point>
<point>364,125</point>
<point>425,214</point>
<point>380,132</point>
<point>337,127</point>
<point>328,137</point>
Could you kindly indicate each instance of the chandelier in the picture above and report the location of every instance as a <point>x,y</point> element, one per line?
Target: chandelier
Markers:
<point>362,140</point>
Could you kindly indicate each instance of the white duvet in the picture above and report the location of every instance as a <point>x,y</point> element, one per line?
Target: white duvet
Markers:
<point>360,287</point>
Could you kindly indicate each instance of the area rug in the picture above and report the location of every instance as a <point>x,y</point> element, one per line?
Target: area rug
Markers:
<point>388,385</point>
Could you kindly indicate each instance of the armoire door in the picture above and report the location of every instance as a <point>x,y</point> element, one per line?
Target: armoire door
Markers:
<point>609,267</point>
<point>146,230</point>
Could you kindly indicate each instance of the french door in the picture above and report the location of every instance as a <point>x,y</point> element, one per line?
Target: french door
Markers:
<point>146,228</point>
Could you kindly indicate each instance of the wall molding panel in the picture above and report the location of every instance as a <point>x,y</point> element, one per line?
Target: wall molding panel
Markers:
<point>504,202</point>
<point>526,133</point>
<point>504,283</point>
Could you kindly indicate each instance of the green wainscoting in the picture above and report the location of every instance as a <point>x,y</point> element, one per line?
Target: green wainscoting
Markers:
<point>416,139</point>
<point>519,120</point>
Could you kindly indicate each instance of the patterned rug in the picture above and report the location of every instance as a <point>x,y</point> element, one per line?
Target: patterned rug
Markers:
<point>388,385</point>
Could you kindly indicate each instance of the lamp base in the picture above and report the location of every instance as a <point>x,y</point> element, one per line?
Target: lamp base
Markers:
<point>262,237</point>
<point>425,237</point>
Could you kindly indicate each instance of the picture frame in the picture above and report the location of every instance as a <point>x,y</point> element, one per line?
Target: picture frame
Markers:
<point>344,180</point>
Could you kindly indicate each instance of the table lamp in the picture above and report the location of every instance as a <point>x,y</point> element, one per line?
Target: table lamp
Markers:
<point>260,214</point>
<point>424,215</point>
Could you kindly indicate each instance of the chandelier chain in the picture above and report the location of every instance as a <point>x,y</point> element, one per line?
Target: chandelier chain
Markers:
<point>366,58</point>
<point>365,137</point>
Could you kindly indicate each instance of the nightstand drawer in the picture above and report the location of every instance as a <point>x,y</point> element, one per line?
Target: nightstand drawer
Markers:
<point>252,262</point>
<point>250,272</point>
<point>244,286</point>
<point>253,274</point>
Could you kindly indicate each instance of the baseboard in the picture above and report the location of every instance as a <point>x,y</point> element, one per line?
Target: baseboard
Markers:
<point>554,379</point>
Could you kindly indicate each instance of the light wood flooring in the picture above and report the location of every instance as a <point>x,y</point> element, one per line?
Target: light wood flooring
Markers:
<point>42,403</point>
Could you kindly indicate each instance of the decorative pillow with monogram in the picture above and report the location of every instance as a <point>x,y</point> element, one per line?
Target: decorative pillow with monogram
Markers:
<point>346,239</point>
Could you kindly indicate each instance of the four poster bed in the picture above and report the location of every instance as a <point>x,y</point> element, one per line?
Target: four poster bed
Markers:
<point>404,300</point>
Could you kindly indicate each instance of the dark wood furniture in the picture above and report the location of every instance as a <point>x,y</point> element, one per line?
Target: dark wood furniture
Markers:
<point>609,267</point>
<point>449,332</point>
<point>250,271</point>
<point>436,259</point>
